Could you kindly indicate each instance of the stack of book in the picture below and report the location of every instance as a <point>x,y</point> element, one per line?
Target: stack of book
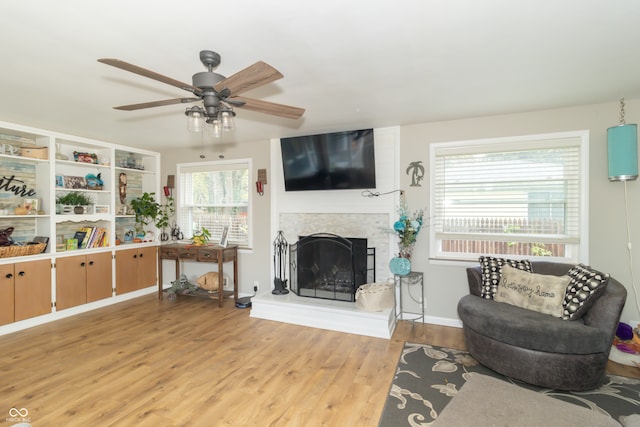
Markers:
<point>92,237</point>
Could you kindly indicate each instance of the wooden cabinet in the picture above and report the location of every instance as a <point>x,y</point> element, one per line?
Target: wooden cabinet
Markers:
<point>99,276</point>
<point>7,285</point>
<point>135,269</point>
<point>83,278</point>
<point>25,290</point>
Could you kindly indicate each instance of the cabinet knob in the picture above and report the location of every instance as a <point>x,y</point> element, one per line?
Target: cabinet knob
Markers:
<point>9,276</point>
<point>82,264</point>
<point>21,273</point>
<point>141,255</point>
<point>90,262</point>
<point>135,256</point>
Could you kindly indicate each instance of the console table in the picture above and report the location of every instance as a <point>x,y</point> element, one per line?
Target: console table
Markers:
<point>211,253</point>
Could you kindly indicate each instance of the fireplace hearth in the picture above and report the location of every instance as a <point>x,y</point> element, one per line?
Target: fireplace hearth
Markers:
<point>328,266</point>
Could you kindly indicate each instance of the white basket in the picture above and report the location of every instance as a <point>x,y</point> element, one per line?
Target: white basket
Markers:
<point>375,296</point>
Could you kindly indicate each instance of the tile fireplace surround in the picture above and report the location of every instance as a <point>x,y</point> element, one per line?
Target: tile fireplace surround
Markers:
<point>325,314</point>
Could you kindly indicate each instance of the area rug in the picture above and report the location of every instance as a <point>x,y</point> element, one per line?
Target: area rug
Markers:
<point>428,377</point>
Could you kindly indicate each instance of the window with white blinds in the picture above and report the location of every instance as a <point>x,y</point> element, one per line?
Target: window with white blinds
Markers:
<point>521,197</point>
<point>215,195</point>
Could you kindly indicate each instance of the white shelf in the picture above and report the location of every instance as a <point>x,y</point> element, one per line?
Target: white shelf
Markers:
<point>82,218</point>
<point>23,158</point>
<point>121,169</point>
<point>27,216</point>
<point>82,164</point>
<point>82,190</point>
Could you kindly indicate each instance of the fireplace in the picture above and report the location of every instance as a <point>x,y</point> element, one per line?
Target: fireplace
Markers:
<point>329,266</point>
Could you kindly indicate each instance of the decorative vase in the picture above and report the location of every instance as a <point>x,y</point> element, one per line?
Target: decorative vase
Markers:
<point>400,266</point>
<point>406,251</point>
<point>59,154</point>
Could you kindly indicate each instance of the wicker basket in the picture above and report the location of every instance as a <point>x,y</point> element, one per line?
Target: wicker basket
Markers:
<point>15,250</point>
<point>375,296</point>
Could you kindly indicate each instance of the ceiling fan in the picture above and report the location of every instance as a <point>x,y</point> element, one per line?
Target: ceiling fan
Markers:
<point>218,94</point>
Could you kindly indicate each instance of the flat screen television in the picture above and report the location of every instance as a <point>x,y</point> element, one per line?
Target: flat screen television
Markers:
<point>330,161</point>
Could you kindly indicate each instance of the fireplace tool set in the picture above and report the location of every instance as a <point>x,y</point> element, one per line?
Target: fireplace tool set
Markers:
<point>280,247</point>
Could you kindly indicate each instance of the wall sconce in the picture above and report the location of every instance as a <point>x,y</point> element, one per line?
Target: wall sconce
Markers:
<point>622,150</point>
<point>262,181</point>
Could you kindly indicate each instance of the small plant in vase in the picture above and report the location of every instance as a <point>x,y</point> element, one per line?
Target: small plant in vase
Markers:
<point>201,237</point>
<point>76,199</point>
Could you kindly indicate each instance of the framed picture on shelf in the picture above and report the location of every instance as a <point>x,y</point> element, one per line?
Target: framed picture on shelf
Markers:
<point>76,182</point>
<point>59,181</point>
<point>85,157</point>
<point>31,204</point>
<point>224,236</point>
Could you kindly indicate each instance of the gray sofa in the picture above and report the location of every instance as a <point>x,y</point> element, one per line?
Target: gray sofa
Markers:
<point>538,348</point>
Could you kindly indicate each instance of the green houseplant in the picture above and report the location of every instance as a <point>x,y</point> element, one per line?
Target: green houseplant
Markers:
<point>146,210</point>
<point>76,199</point>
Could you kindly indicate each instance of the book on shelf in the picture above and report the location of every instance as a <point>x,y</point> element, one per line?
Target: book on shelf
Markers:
<point>79,237</point>
<point>91,237</point>
<point>72,244</point>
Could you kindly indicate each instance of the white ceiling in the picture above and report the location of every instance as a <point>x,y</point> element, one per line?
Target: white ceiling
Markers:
<point>351,64</point>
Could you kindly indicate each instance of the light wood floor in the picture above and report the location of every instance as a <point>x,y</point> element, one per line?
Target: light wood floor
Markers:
<point>155,363</point>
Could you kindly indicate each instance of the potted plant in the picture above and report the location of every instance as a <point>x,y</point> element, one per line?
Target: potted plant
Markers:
<point>201,237</point>
<point>164,213</point>
<point>146,210</point>
<point>77,200</point>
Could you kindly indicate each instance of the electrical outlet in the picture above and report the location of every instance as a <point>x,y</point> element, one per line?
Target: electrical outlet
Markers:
<point>256,286</point>
<point>225,282</point>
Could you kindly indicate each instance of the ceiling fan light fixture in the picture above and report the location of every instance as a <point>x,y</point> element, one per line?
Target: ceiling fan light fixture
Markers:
<point>214,129</point>
<point>216,92</point>
<point>228,123</point>
<point>195,119</point>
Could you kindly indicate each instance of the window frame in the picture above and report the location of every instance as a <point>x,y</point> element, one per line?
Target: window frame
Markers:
<point>578,252</point>
<point>219,165</point>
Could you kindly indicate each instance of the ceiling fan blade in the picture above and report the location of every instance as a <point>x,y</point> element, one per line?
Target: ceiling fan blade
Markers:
<point>132,107</point>
<point>270,108</point>
<point>251,77</point>
<point>150,74</point>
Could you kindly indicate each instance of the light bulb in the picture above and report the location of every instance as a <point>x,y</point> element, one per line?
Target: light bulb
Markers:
<point>216,132</point>
<point>194,121</point>
<point>227,121</point>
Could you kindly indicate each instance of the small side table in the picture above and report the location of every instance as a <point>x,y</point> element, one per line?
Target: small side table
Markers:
<point>412,286</point>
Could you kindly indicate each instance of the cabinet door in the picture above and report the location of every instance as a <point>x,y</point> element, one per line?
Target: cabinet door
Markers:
<point>6,294</point>
<point>147,261</point>
<point>99,274</point>
<point>126,271</point>
<point>71,281</point>
<point>32,289</point>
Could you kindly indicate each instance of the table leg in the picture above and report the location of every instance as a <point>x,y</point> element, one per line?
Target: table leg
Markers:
<point>235,277</point>
<point>159,276</point>
<point>220,281</point>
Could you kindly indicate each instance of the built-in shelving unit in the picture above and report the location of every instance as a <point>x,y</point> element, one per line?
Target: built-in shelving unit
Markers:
<point>36,168</point>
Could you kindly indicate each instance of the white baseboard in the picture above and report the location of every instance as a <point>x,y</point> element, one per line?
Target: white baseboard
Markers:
<point>56,315</point>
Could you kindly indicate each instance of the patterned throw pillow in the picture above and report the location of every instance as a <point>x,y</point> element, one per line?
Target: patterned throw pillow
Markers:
<point>585,286</point>
<point>491,268</point>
